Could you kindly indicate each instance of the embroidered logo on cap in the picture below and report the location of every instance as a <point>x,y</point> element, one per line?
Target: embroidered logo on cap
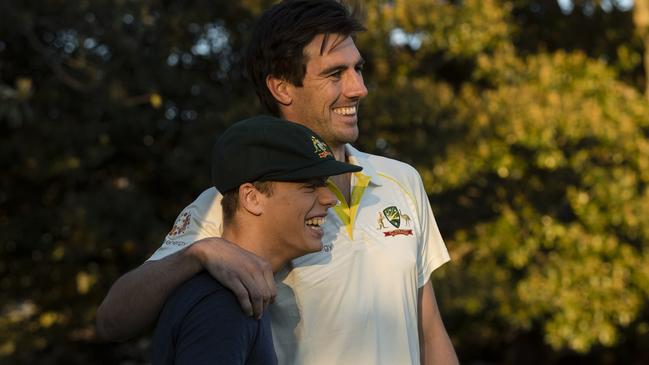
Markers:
<point>394,216</point>
<point>320,148</point>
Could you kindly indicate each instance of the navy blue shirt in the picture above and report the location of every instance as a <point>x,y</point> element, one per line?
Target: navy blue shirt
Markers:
<point>202,323</point>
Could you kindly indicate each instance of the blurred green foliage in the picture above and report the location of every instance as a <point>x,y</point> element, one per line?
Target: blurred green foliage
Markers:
<point>526,120</point>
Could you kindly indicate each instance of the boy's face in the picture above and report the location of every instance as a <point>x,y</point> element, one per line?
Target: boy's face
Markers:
<point>327,102</point>
<point>294,213</point>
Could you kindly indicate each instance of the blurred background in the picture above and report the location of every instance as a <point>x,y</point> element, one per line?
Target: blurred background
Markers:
<point>528,121</point>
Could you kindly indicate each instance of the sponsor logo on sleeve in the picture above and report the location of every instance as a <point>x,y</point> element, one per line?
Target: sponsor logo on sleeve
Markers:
<point>180,226</point>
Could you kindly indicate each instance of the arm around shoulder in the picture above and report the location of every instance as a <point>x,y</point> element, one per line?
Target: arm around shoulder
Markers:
<point>135,299</point>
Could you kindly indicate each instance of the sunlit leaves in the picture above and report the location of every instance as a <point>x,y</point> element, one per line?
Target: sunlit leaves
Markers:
<point>573,132</point>
<point>544,159</point>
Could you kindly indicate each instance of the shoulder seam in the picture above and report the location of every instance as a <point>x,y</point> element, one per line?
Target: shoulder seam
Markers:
<point>409,193</point>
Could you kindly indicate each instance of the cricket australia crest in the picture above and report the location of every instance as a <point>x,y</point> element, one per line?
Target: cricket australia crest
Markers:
<point>394,216</point>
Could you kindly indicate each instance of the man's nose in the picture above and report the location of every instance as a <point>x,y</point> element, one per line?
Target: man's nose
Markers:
<point>355,86</point>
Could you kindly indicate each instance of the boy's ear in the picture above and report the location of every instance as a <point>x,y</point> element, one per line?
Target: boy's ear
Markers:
<point>250,199</point>
<point>280,89</point>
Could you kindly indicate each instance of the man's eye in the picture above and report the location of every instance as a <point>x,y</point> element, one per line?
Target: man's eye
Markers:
<point>336,75</point>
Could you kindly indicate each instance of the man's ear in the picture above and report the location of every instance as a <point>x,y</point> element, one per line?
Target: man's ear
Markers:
<point>251,199</point>
<point>280,90</point>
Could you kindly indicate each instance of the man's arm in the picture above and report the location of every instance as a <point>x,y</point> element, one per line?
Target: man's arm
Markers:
<point>135,300</point>
<point>435,346</point>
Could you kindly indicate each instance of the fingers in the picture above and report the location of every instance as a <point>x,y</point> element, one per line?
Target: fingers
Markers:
<point>241,293</point>
<point>266,287</point>
<point>270,282</point>
<point>260,291</point>
<point>258,294</point>
<point>248,276</point>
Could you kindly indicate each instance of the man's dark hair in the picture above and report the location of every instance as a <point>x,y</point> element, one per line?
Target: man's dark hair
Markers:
<point>281,34</point>
<point>230,202</point>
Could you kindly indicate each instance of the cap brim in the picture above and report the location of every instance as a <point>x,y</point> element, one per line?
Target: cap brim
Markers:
<point>324,168</point>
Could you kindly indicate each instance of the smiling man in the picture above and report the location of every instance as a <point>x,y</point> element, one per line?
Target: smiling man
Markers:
<point>366,297</point>
<point>272,176</point>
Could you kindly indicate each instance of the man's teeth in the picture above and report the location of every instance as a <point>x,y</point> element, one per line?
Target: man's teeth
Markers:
<point>345,111</point>
<point>317,221</point>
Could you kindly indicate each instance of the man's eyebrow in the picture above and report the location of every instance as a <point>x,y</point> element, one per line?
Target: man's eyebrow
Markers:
<point>339,67</point>
<point>332,69</point>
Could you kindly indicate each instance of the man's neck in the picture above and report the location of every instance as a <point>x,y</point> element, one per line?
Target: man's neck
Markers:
<point>339,152</point>
<point>343,182</point>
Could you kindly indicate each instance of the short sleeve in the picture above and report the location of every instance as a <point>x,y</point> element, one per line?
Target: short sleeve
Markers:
<point>432,252</point>
<point>202,218</point>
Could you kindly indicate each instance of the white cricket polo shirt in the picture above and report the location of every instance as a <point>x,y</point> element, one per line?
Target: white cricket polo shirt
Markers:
<point>354,302</point>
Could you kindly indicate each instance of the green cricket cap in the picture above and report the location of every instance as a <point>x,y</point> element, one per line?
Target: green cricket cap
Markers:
<point>266,148</point>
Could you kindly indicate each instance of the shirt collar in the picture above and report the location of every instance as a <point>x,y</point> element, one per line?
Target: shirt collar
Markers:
<point>358,158</point>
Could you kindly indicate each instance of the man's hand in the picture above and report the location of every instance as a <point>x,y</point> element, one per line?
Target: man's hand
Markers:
<point>248,276</point>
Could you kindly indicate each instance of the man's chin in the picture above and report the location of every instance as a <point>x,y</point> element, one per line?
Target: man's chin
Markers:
<point>348,134</point>
<point>350,137</point>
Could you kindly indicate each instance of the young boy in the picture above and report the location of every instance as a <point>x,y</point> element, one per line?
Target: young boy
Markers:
<point>272,175</point>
